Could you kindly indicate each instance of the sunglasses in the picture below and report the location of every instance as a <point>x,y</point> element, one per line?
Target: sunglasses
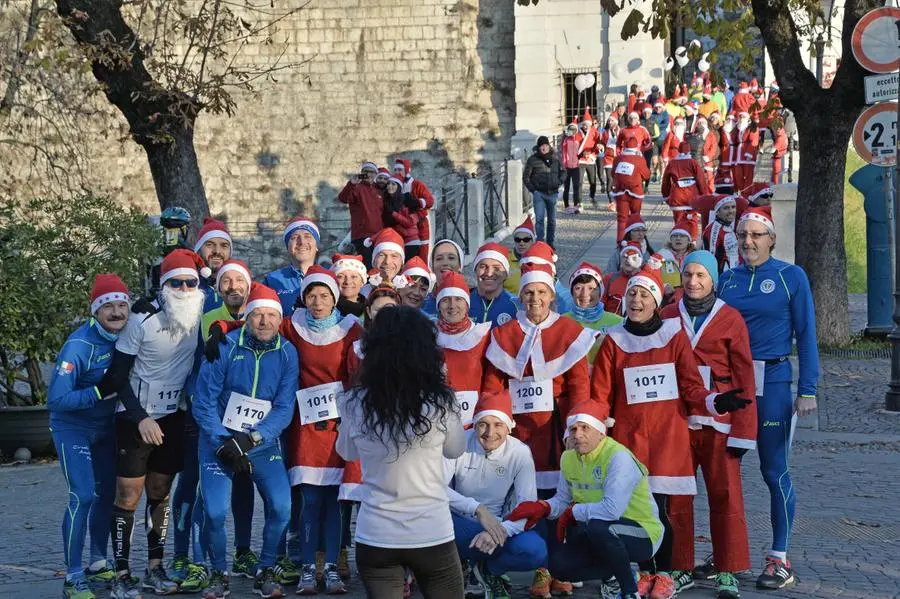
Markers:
<point>521,239</point>
<point>179,283</point>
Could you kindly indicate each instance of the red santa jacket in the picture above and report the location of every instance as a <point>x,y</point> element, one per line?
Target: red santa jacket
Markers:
<point>639,132</point>
<point>683,180</point>
<point>553,350</point>
<point>405,222</point>
<point>780,144</point>
<point>588,146</point>
<point>720,239</point>
<point>706,204</point>
<point>710,151</point>
<point>608,141</point>
<point>724,148</point>
<point>366,205</point>
<point>632,382</point>
<point>614,284</point>
<point>465,361</point>
<point>629,173</point>
<point>722,350</point>
<point>670,146</point>
<point>419,191</point>
<point>744,145</point>
<point>742,102</point>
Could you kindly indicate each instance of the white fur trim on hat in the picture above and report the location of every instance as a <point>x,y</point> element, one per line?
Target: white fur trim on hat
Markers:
<point>420,272</point>
<point>211,234</point>
<point>523,230</point>
<point>452,292</point>
<point>633,226</point>
<point>492,255</point>
<point>537,276</point>
<point>758,218</point>
<point>322,278</point>
<point>679,231</point>
<point>648,284</point>
<point>307,225</point>
<point>587,419</point>
<point>234,268</point>
<point>388,246</point>
<point>179,272</point>
<point>263,303</point>
<point>115,296</point>
<point>591,272</point>
<point>509,422</point>
<point>348,264</point>
<point>724,202</point>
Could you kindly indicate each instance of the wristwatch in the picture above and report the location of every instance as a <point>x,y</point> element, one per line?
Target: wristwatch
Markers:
<point>256,437</point>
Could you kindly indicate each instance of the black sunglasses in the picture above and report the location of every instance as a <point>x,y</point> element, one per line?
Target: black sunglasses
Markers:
<point>521,239</point>
<point>178,283</point>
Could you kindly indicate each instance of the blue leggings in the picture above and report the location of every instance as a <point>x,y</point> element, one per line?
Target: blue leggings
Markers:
<point>521,553</point>
<point>88,461</point>
<point>271,479</point>
<point>775,410</point>
<point>187,510</point>
<point>320,518</point>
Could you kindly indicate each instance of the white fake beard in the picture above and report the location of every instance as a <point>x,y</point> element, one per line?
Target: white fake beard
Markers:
<point>183,310</point>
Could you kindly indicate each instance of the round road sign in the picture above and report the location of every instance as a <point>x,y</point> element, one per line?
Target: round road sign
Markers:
<point>874,41</point>
<point>875,134</point>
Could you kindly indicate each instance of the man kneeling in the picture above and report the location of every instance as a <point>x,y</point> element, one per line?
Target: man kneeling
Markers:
<point>603,508</point>
<point>480,481</point>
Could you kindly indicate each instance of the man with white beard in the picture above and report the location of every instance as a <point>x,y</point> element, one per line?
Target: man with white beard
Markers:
<point>153,360</point>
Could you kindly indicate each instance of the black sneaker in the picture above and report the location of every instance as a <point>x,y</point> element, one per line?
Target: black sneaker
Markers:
<point>777,574</point>
<point>610,589</point>
<point>706,570</point>
<point>493,585</point>
<point>158,582</point>
<point>266,584</point>
<point>684,580</point>
<point>217,586</point>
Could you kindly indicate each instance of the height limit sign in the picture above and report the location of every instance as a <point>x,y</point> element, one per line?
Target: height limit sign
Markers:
<point>875,134</point>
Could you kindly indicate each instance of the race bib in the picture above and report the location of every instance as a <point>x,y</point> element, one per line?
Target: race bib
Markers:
<point>319,403</point>
<point>644,384</point>
<point>624,168</point>
<point>529,395</point>
<point>686,182</point>
<point>759,376</point>
<point>706,375</point>
<point>243,413</point>
<point>162,398</point>
<point>466,401</point>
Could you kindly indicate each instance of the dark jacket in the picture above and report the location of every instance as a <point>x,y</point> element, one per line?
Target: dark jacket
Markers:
<point>543,173</point>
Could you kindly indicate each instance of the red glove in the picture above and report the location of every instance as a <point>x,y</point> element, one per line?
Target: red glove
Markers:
<point>530,511</point>
<point>566,520</point>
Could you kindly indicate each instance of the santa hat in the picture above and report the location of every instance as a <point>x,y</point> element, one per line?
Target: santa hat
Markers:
<point>743,114</point>
<point>107,288</point>
<point>612,119</point>
<point>497,404</point>
<point>180,263</point>
<point>537,273</point>
<point>493,251</point>
<point>634,222</point>
<point>660,104</point>
<point>368,166</point>
<point>211,229</point>
<point>319,274</point>
<point>754,191</point>
<point>238,266</point>
<point>395,181</point>
<point>263,297</point>
<point>725,201</point>
<point>404,164</point>
<point>540,253</point>
<point>527,226</point>
<point>690,108</point>
<point>649,279</point>
<point>586,117</point>
<point>707,89</point>
<point>633,253</point>
<point>416,267</point>
<point>386,240</point>
<point>459,250</point>
<point>760,214</point>
<point>634,114</point>
<point>680,228</point>
<point>587,412</point>
<point>301,223</point>
<point>586,268</point>
<point>342,262</point>
<point>453,284</point>
<point>383,173</point>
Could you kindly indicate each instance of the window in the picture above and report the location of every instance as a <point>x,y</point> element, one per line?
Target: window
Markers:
<point>574,102</point>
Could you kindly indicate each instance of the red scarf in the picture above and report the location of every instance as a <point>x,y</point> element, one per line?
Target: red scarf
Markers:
<point>453,328</point>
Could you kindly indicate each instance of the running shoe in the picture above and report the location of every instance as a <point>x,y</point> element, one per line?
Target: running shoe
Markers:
<point>179,568</point>
<point>577,209</point>
<point>706,570</point>
<point>610,588</point>
<point>197,578</point>
<point>286,570</point>
<point>126,588</point>
<point>344,564</point>
<point>307,584</point>
<point>540,584</point>
<point>217,586</point>
<point>727,586</point>
<point>102,578</point>
<point>473,588</point>
<point>663,586</point>
<point>407,583</point>
<point>684,580</point>
<point>776,574</point>
<point>334,585</point>
<point>561,588</point>
<point>493,586</point>
<point>77,589</point>
<point>266,584</point>
<point>645,583</point>
<point>158,582</point>
<point>244,564</point>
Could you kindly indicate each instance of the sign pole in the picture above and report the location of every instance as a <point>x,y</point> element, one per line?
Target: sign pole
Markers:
<point>892,397</point>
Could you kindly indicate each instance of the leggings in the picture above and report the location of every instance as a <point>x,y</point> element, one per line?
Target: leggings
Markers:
<point>437,570</point>
<point>662,561</point>
<point>320,517</point>
<point>590,171</point>
<point>573,182</point>
<point>607,182</point>
<point>775,411</point>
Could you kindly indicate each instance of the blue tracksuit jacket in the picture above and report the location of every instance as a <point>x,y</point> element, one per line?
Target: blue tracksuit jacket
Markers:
<point>286,283</point>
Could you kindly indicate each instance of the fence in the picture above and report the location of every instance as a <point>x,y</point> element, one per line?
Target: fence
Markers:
<point>451,210</point>
<point>496,198</point>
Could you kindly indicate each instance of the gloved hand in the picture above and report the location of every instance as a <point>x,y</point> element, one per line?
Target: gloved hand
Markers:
<point>230,452</point>
<point>243,466</point>
<point>730,402</point>
<point>566,520</point>
<point>243,440</point>
<point>216,338</point>
<point>107,387</point>
<point>143,306</point>
<point>736,452</point>
<point>530,511</point>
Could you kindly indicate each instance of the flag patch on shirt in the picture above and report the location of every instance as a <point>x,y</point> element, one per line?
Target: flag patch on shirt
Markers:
<point>66,368</point>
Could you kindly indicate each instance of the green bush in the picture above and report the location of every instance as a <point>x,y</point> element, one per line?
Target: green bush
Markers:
<point>50,250</point>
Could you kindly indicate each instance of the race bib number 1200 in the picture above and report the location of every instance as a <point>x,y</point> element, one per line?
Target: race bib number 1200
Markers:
<point>243,412</point>
<point>529,395</point>
<point>656,382</point>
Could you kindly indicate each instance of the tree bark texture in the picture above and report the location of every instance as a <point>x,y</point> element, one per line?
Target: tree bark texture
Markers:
<point>160,120</point>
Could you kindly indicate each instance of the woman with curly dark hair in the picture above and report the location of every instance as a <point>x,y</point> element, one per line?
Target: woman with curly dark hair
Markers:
<point>401,420</point>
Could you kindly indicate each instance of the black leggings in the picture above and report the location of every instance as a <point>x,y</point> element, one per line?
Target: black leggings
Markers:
<point>662,561</point>
<point>607,181</point>
<point>573,182</point>
<point>437,570</point>
<point>590,170</point>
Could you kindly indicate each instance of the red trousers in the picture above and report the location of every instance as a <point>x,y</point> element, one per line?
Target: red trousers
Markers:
<point>776,169</point>
<point>625,207</point>
<point>743,175</point>
<point>722,475</point>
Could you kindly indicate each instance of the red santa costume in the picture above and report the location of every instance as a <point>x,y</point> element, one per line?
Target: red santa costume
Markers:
<point>706,206</point>
<point>608,139</point>
<point>744,149</point>
<point>366,208</point>
<point>464,345</point>
<point>544,367</point>
<point>614,283</point>
<point>722,351</point>
<point>724,182</point>
<point>780,146</point>
<point>720,239</point>
<point>588,142</point>
<point>635,130</point>
<point>684,180</point>
<point>421,193</point>
<point>629,173</point>
<point>672,142</point>
<point>709,153</point>
<point>743,99</point>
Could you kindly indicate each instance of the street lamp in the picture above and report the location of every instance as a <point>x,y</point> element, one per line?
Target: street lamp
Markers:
<point>820,59</point>
<point>892,397</point>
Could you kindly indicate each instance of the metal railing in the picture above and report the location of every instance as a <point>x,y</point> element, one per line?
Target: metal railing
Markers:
<point>451,210</point>
<point>496,197</point>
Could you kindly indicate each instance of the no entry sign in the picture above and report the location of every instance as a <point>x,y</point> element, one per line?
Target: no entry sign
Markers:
<point>875,134</point>
<point>875,40</point>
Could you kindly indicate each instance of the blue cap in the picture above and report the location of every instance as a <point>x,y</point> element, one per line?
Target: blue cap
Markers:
<point>705,259</point>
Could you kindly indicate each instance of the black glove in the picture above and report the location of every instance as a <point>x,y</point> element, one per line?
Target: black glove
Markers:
<point>107,387</point>
<point>230,452</point>
<point>730,402</point>
<point>243,440</point>
<point>216,338</point>
<point>243,466</point>
<point>143,306</point>
<point>736,452</point>
<point>411,203</point>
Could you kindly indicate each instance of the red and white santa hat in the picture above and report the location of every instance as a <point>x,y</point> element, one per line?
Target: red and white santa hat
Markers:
<point>301,223</point>
<point>591,270</point>
<point>344,262</point>
<point>238,266</point>
<point>634,115</point>
<point>540,253</point>
<point>754,191</point>
<point>383,173</point>
<point>497,404</point>
<point>633,253</point>
<point>587,412</point>
<point>368,165</point>
<point>181,263</point>
<point>760,214</point>
<point>405,164</point>
<point>537,273</point>
<point>453,284</point>
<point>262,297</point>
<point>493,251</point>
<point>586,117</point>
<point>680,228</point>
<point>634,222</point>
<point>725,201</point>
<point>459,250</point>
<point>527,226</point>
<point>107,288</point>
<point>319,274</point>
<point>211,229</point>
<point>649,279</point>
<point>416,267</point>
<point>386,240</point>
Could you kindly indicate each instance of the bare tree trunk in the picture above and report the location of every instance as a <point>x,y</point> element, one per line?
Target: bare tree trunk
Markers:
<point>36,381</point>
<point>176,174</point>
